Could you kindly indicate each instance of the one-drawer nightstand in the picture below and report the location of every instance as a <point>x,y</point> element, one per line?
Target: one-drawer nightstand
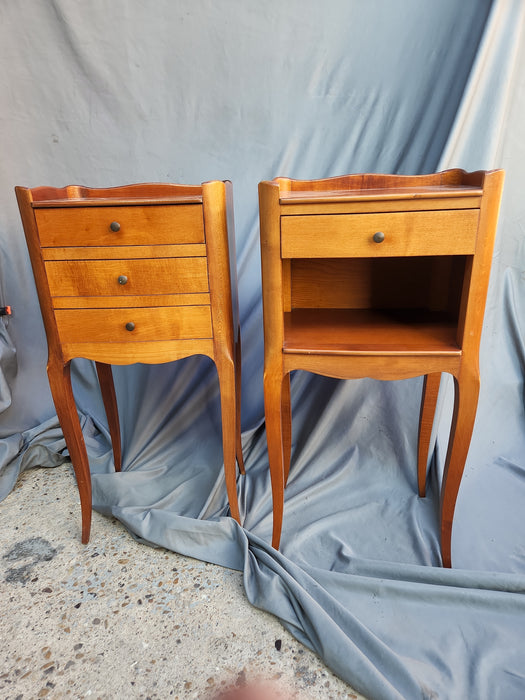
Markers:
<point>377,276</point>
<point>140,273</point>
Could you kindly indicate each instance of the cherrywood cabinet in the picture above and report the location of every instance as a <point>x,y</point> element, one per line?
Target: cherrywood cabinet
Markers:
<point>377,276</point>
<point>140,273</point>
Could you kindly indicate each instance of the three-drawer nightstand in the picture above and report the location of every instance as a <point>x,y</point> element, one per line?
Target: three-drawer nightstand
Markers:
<point>141,273</point>
<point>378,276</point>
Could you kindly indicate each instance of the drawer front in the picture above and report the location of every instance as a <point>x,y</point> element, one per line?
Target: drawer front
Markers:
<point>445,232</point>
<point>109,325</point>
<point>137,225</point>
<point>87,278</point>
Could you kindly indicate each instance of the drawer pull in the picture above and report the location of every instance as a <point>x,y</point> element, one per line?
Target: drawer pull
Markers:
<point>122,279</point>
<point>114,226</point>
<point>379,237</point>
<point>130,326</point>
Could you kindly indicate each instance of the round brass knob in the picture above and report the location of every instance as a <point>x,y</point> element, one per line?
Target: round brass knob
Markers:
<point>130,326</point>
<point>122,279</point>
<point>379,237</point>
<point>114,226</point>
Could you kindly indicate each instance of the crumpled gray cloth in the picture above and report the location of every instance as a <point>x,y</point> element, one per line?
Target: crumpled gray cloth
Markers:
<point>44,446</point>
<point>8,366</point>
<point>40,446</point>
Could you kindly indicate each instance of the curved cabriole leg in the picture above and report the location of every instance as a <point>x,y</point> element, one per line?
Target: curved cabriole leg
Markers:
<point>226,373</point>
<point>240,459</point>
<point>426,420</point>
<point>59,376</point>
<point>466,392</point>
<point>286,415</point>
<point>273,383</point>
<point>107,389</point>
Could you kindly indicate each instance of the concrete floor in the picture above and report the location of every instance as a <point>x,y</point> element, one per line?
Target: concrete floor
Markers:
<point>118,619</point>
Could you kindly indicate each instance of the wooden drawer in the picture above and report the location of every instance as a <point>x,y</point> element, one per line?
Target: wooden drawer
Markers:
<point>86,278</point>
<point>139,225</point>
<point>444,232</point>
<point>109,325</point>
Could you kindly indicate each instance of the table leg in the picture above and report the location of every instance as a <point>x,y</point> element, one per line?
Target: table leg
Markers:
<point>431,384</point>
<point>227,386</point>
<point>240,459</point>
<point>286,416</point>
<point>107,389</point>
<point>466,392</point>
<point>59,375</point>
<point>273,386</point>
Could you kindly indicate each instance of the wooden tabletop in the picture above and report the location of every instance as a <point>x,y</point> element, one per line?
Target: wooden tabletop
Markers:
<point>392,193</point>
<point>116,201</point>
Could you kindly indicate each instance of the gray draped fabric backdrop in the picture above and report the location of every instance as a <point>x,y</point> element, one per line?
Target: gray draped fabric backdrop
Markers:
<point>110,92</point>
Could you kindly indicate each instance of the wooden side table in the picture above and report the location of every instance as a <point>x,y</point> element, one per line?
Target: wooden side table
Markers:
<point>141,273</point>
<point>377,276</point>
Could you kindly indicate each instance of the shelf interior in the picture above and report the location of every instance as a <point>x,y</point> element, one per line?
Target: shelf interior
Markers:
<point>370,331</point>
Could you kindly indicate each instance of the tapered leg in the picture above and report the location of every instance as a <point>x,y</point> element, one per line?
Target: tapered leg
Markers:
<point>286,416</point>
<point>466,392</point>
<point>240,459</point>
<point>426,420</point>
<point>227,386</point>
<point>273,384</point>
<point>107,389</point>
<point>60,383</point>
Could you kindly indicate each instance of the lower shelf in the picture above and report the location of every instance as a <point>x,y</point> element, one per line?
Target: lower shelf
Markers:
<point>370,331</point>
